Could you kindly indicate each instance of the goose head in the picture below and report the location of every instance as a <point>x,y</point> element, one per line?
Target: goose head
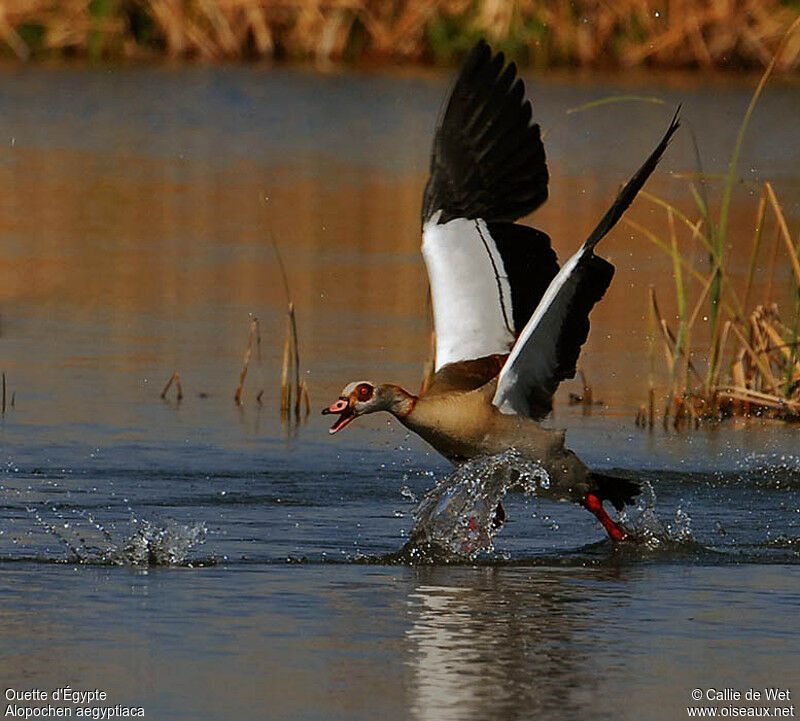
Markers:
<point>362,397</point>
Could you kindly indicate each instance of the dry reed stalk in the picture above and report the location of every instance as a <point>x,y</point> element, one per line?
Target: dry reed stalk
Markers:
<point>294,396</point>
<point>298,384</point>
<point>791,250</point>
<point>775,340</point>
<point>773,259</point>
<point>737,370</point>
<point>757,398</point>
<point>176,379</point>
<point>757,359</point>
<point>291,357</point>
<point>760,346</point>
<point>669,345</point>
<point>779,353</point>
<point>678,410</point>
<point>254,336</point>
<point>286,386</point>
<point>4,393</point>
<point>302,393</point>
<point>668,336</point>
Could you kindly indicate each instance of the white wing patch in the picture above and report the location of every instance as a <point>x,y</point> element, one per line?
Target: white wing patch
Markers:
<point>471,294</point>
<point>535,354</point>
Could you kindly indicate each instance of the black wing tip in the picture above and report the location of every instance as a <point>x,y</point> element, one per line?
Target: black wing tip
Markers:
<point>674,124</point>
<point>634,185</point>
<point>485,119</point>
<point>478,55</point>
<point>655,156</point>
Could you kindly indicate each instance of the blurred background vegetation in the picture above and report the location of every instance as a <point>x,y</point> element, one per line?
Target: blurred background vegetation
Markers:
<point>729,34</point>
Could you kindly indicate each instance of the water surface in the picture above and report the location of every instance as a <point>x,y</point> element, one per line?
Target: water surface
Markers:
<point>200,561</point>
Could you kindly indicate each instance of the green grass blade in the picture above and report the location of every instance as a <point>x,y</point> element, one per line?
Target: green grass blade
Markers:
<point>616,99</point>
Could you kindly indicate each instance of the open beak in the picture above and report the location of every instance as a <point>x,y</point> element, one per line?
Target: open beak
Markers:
<point>346,414</point>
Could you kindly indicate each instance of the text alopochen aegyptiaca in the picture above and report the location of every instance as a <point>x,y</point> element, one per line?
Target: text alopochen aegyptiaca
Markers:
<point>509,324</point>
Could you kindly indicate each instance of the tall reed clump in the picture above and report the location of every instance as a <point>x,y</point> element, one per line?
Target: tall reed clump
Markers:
<point>751,364</point>
<point>626,33</point>
<point>295,402</point>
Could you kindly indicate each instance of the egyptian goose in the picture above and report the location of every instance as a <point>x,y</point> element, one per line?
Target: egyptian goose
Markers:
<point>509,324</point>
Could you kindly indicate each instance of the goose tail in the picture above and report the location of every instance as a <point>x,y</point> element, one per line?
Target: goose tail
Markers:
<point>620,492</point>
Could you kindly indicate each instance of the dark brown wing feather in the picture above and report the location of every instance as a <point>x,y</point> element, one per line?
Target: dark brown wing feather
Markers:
<point>466,375</point>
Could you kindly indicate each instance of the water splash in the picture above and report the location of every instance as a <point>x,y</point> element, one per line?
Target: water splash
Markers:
<point>169,545</point>
<point>89,542</point>
<point>770,470</point>
<point>458,518</point>
<point>644,527</point>
<point>785,542</point>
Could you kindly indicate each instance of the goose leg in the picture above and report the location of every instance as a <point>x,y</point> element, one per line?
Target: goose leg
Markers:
<point>593,504</point>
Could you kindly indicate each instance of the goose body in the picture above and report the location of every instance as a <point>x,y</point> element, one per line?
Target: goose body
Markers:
<point>509,323</point>
<point>465,425</point>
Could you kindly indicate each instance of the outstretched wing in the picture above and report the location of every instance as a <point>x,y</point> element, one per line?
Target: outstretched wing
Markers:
<point>487,170</point>
<point>547,350</point>
<point>488,159</point>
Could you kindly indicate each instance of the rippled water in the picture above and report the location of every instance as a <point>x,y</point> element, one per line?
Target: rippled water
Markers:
<point>200,560</point>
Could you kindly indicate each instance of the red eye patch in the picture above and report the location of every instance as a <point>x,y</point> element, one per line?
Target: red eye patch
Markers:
<point>363,391</point>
